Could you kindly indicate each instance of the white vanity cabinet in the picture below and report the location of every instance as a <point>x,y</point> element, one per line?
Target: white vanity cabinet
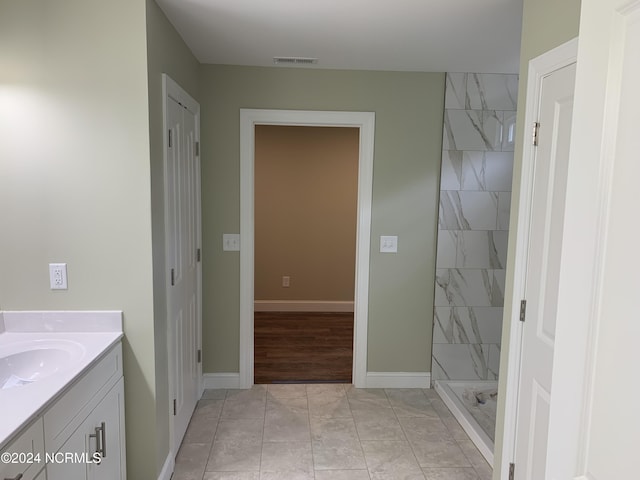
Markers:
<point>87,423</point>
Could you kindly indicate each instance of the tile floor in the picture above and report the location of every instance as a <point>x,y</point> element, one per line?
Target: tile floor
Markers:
<point>326,431</point>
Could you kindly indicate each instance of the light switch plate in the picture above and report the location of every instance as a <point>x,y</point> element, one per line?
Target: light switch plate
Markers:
<point>231,242</point>
<point>388,244</point>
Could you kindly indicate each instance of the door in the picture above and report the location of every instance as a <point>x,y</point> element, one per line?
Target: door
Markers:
<point>599,334</point>
<point>182,180</point>
<point>542,271</point>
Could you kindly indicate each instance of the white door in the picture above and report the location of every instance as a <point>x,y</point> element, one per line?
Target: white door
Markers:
<point>542,270</point>
<point>182,248</point>
<point>596,424</point>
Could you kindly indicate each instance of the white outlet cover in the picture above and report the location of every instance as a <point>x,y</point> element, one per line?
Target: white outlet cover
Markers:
<point>58,276</point>
<point>388,244</point>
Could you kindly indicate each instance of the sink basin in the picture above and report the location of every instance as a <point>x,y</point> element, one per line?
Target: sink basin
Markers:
<point>27,362</point>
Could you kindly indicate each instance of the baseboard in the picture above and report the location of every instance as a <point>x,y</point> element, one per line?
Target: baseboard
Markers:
<point>398,380</point>
<point>301,306</point>
<point>221,380</point>
<point>167,468</point>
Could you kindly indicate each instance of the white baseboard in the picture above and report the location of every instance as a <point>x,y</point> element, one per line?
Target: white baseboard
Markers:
<point>221,380</point>
<point>398,380</point>
<point>301,306</point>
<point>167,468</point>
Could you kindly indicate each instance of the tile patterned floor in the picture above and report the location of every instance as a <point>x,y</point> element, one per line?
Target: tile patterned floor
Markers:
<point>326,432</point>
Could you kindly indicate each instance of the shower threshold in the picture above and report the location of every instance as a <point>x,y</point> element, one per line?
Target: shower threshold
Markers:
<point>452,394</point>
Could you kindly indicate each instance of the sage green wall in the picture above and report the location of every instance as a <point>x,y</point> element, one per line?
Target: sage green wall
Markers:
<point>166,53</point>
<point>74,178</point>
<point>546,24</point>
<point>408,139</point>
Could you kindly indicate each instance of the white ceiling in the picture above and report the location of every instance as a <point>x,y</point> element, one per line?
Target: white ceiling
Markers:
<point>480,36</point>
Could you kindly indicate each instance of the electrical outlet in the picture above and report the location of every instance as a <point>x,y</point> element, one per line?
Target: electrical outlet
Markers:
<point>286,281</point>
<point>58,276</point>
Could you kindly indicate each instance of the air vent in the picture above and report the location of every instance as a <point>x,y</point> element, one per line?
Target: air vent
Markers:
<point>294,60</point>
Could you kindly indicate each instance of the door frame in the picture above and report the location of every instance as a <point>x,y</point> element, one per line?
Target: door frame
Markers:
<point>365,121</point>
<point>171,89</point>
<point>539,68</point>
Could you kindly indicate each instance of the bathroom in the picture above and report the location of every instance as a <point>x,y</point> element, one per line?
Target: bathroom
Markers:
<point>87,194</point>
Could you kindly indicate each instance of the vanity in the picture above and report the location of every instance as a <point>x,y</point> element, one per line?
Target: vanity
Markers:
<point>61,396</point>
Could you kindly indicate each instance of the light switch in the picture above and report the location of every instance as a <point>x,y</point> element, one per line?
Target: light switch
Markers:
<point>388,244</point>
<point>231,242</point>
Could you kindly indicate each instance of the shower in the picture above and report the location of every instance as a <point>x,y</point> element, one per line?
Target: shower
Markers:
<point>473,229</point>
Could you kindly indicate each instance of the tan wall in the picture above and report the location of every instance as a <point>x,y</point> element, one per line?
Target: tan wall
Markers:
<point>306,193</point>
<point>408,142</point>
<point>74,178</point>
<point>166,53</point>
<point>545,24</point>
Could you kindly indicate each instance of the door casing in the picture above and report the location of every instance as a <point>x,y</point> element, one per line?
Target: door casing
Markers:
<point>365,121</point>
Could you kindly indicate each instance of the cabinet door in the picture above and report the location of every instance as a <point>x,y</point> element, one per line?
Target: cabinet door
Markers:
<point>101,431</point>
<point>107,423</point>
<point>42,475</point>
<point>29,442</point>
<point>59,468</point>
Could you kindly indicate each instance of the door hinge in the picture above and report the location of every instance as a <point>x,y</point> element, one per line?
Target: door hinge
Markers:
<point>175,408</point>
<point>198,255</point>
<point>534,136</point>
<point>170,139</point>
<point>512,471</point>
<point>197,149</point>
<point>173,277</point>
<point>199,356</point>
<point>523,310</point>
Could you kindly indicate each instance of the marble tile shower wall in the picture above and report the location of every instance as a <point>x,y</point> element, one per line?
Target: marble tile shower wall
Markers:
<point>475,197</point>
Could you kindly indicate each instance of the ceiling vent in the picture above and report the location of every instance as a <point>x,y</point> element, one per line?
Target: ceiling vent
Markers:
<point>294,61</point>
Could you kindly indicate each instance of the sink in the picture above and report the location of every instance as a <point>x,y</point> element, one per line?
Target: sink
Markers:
<point>26,362</point>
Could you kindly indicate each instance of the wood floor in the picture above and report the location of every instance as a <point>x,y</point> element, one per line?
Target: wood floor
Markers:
<point>303,347</point>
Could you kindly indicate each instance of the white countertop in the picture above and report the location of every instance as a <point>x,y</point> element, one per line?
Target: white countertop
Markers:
<point>96,332</point>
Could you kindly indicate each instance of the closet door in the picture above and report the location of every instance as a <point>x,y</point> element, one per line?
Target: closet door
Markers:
<point>182,178</point>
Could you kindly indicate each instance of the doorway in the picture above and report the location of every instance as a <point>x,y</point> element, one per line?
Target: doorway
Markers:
<point>364,122</point>
<point>306,189</point>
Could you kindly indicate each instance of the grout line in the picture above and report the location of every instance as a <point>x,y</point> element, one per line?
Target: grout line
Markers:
<point>405,434</point>
<point>353,419</point>
<point>213,440</point>
<point>264,423</point>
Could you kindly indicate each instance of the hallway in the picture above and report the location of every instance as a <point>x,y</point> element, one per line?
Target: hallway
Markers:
<point>326,431</point>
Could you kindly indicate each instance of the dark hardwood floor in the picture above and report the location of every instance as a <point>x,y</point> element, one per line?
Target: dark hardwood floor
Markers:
<point>303,347</point>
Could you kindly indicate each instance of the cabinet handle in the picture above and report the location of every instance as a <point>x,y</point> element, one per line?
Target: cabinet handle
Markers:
<point>101,439</point>
<point>17,477</point>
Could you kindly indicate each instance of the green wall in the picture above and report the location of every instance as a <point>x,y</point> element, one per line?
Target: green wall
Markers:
<point>166,53</point>
<point>546,24</point>
<point>408,142</point>
<point>74,178</point>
